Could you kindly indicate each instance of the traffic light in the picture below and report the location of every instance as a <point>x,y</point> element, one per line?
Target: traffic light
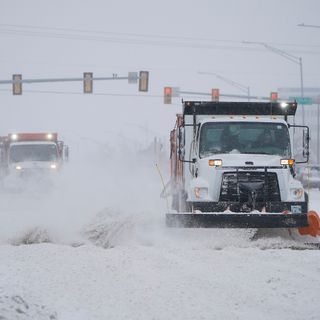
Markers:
<point>17,86</point>
<point>143,81</point>
<point>215,93</point>
<point>274,96</point>
<point>87,82</point>
<point>167,95</point>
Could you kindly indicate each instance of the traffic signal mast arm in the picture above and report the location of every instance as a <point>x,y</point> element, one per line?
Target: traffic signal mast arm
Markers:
<point>87,80</point>
<point>215,95</point>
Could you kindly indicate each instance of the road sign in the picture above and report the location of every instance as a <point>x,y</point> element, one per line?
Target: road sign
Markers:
<point>300,100</point>
<point>133,77</point>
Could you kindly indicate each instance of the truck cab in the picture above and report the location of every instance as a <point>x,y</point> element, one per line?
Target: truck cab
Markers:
<point>29,154</point>
<point>242,142</point>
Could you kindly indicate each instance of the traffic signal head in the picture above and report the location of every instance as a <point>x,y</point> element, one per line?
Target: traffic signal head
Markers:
<point>167,95</point>
<point>274,96</point>
<point>17,86</point>
<point>215,93</point>
<point>87,82</point>
<point>143,81</point>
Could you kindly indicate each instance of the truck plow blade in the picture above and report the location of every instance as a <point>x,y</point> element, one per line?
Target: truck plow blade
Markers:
<point>236,220</point>
<point>313,228</point>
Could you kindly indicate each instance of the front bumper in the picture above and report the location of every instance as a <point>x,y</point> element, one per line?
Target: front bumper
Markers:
<point>236,220</point>
<point>221,206</point>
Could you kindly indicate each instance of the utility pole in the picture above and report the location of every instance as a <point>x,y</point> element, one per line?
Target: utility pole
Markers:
<point>231,82</point>
<point>288,56</point>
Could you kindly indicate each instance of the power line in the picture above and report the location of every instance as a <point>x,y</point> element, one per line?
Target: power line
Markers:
<point>115,33</point>
<point>133,39</point>
<point>144,35</point>
<point>124,40</point>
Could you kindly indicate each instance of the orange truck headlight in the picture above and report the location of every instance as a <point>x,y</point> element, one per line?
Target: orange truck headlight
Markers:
<point>287,162</point>
<point>215,162</point>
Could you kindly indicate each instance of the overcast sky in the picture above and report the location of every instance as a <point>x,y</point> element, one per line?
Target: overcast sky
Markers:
<point>174,40</point>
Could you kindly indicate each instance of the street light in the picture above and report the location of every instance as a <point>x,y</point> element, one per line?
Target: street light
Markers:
<point>308,25</point>
<point>288,56</point>
<point>231,82</point>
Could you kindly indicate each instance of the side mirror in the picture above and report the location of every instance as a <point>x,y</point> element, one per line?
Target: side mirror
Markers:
<point>66,153</point>
<point>181,143</point>
<point>181,137</point>
<point>181,152</point>
<point>302,151</point>
<point>305,143</point>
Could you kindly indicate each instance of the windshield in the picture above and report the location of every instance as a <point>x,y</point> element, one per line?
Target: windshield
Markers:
<point>33,152</point>
<point>244,137</point>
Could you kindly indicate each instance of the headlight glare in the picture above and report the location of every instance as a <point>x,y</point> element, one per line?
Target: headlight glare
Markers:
<point>14,136</point>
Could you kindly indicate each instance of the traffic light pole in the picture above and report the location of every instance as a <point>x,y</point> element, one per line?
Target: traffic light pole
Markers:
<point>132,77</point>
<point>288,56</point>
<point>61,80</point>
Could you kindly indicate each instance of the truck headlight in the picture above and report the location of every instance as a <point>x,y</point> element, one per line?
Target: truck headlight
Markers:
<point>201,192</point>
<point>18,167</point>
<point>297,193</point>
<point>14,136</point>
<point>53,166</point>
<point>287,162</point>
<point>215,162</point>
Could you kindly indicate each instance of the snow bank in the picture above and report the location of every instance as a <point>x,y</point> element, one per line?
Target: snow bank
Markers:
<point>164,281</point>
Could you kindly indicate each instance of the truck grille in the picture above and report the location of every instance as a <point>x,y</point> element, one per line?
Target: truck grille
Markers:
<point>232,190</point>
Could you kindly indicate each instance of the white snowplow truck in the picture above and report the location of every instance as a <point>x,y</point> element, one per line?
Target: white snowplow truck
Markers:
<point>232,165</point>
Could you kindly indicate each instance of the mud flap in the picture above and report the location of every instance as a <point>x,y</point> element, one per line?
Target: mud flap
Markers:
<point>236,220</point>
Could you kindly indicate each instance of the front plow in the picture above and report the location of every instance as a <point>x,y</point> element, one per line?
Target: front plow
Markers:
<point>236,220</point>
<point>313,228</point>
<point>307,224</point>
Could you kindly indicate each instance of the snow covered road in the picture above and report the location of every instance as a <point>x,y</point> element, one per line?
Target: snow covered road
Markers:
<point>185,279</point>
<point>87,262</point>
